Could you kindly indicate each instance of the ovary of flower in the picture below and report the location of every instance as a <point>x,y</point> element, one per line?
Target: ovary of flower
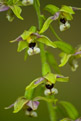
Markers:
<point>33,51</point>
<point>64,26</point>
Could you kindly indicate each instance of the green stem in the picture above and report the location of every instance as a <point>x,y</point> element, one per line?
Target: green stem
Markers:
<point>52,112</point>
<point>42,53</point>
<point>55,34</point>
<point>43,57</point>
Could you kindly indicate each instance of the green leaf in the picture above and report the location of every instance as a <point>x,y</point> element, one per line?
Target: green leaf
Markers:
<point>64,59</point>
<point>35,83</point>
<point>61,78</point>
<point>45,68</point>
<point>68,16</point>
<point>26,55</point>
<point>52,9</point>
<point>46,24</point>
<point>67,9</point>
<point>32,29</point>
<point>26,34</point>
<point>52,61</point>
<point>50,77</point>
<point>22,45</point>
<point>17,11</point>
<point>45,40</point>
<point>45,99</point>
<point>70,109</point>
<point>29,94</point>
<point>66,119</point>
<point>19,104</point>
<point>65,47</point>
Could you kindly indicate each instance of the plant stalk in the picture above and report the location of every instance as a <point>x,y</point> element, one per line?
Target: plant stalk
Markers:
<point>43,59</point>
<point>55,34</point>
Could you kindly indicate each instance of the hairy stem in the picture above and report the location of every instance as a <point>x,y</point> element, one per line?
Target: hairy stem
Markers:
<point>43,59</point>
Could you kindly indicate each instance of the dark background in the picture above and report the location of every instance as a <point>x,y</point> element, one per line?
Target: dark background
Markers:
<point>15,74</point>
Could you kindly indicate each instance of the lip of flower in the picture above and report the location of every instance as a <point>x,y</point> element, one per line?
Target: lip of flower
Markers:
<point>63,20</point>
<point>64,26</point>
<point>32,45</point>
<point>50,89</point>
<point>33,49</point>
<point>27,2</point>
<point>3,7</point>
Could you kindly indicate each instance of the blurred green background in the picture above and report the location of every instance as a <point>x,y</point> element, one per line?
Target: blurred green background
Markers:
<point>15,74</point>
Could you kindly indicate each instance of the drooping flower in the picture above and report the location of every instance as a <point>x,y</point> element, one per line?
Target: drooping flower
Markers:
<point>64,24</point>
<point>29,106</point>
<point>63,15</point>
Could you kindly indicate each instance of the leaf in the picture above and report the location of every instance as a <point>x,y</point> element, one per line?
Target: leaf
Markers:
<point>53,62</point>
<point>64,59</point>
<point>50,77</point>
<point>45,68</point>
<point>70,109</point>
<point>65,47</point>
<point>45,99</point>
<point>26,34</point>
<point>35,83</point>
<point>22,45</point>
<point>19,104</point>
<point>17,11</point>
<point>29,94</point>
<point>67,9</point>
<point>32,29</point>
<point>46,25</point>
<point>52,9</point>
<point>66,119</point>
<point>61,78</point>
<point>26,55</point>
<point>45,40</point>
